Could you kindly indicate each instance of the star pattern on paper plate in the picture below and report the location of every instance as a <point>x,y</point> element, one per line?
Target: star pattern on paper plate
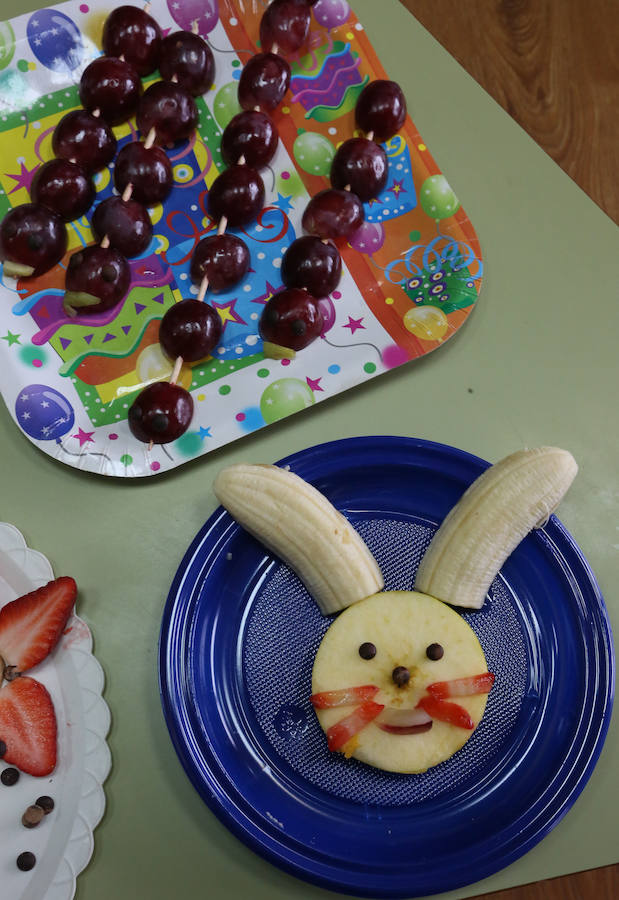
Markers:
<point>314,383</point>
<point>205,432</point>
<point>398,188</point>
<point>11,338</point>
<point>269,290</point>
<point>354,324</point>
<point>84,437</point>
<point>227,312</point>
<point>24,179</point>
<point>283,203</point>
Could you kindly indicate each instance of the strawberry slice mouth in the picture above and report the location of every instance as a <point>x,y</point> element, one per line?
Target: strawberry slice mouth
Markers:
<point>404,721</point>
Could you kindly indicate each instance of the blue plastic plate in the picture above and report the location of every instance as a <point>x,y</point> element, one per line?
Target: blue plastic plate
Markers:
<point>237,644</point>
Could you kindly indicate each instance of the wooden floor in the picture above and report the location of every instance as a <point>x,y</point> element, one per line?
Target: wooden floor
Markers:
<point>553,65</point>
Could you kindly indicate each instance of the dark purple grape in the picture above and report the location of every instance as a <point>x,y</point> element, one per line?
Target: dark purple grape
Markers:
<point>125,222</point>
<point>33,236</point>
<point>64,187</point>
<point>190,329</point>
<point>285,23</point>
<point>149,171</point>
<point>333,214</point>
<point>312,264</point>
<point>381,108</point>
<point>96,272</point>
<point>237,194</point>
<point>250,134</point>
<point>130,32</point>
<point>292,318</point>
<point>223,258</point>
<point>86,139</point>
<point>190,58</point>
<point>362,165</point>
<point>113,87</point>
<point>264,81</point>
<point>161,413</point>
<point>170,110</point>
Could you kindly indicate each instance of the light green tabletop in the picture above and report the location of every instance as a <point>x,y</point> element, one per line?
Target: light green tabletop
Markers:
<point>540,355</point>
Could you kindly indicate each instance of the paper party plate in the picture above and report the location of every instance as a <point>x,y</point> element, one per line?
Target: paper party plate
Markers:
<point>411,274</point>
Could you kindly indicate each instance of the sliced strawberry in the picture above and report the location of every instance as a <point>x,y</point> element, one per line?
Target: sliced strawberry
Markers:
<point>462,687</point>
<point>444,711</point>
<point>343,730</point>
<point>404,721</point>
<point>28,726</point>
<point>31,625</point>
<point>344,697</point>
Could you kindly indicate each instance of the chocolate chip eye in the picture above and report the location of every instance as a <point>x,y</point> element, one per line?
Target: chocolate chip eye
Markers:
<point>367,650</point>
<point>434,651</point>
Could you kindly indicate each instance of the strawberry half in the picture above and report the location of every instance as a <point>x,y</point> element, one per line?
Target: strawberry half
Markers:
<point>444,711</point>
<point>343,697</point>
<point>340,733</point>
<point>30,627</point>
<point>462,687</point>
<point>28,726</point>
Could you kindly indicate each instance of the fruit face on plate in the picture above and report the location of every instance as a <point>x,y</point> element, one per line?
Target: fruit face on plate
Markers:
<point>404,627</point>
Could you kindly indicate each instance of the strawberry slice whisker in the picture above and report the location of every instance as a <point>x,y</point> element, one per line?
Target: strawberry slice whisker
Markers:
<point>344,696</point>
<point>340,733</point>
<point>462,687</point>
<point>444,711</point>
<point>404,721</point>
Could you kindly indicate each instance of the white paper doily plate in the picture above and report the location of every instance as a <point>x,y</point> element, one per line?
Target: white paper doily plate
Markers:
<point>63,842</point>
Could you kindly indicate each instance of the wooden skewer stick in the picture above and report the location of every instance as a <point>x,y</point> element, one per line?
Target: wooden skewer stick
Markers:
<point>176,371</point>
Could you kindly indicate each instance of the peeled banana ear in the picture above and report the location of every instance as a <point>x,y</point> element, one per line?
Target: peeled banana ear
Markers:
<point>491,518</point>
<point>299,525</point>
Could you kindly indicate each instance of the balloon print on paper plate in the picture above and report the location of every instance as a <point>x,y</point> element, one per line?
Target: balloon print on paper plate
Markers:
<point>43,412</point>
<point>186,12</point>
<point>55,40</point>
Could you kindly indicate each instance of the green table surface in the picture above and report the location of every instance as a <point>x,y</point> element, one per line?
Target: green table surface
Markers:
<point>539,354</point>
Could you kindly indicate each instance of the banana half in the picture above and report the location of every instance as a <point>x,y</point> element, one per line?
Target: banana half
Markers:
<point>497,511</point>
<point>304,529</point>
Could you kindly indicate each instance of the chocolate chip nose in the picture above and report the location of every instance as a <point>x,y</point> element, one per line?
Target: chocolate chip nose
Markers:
<point>401,676</point>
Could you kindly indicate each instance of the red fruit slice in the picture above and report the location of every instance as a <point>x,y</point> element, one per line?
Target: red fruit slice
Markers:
<point>31,625</point>
<point>28,726</point>
<point>462,687</point>
<point>340,733</point>
<point>343,697</point>
<point>444,711</point>
<point>404,721</point>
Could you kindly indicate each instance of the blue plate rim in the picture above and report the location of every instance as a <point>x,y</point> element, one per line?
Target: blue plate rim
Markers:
<point>310,463</point>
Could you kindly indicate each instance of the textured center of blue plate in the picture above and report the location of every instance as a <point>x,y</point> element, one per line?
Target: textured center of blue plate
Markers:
<point>282,633</point>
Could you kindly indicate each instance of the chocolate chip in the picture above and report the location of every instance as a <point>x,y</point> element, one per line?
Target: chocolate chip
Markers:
<point>401,676</point>
<point>367,650</point>
<point>298,327</point>
<point>46,803</point>
<point>2,749</point>
<point>32,817</point>
<point>26,861</point>
<point>434,651</point>
<point>9,776</point>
